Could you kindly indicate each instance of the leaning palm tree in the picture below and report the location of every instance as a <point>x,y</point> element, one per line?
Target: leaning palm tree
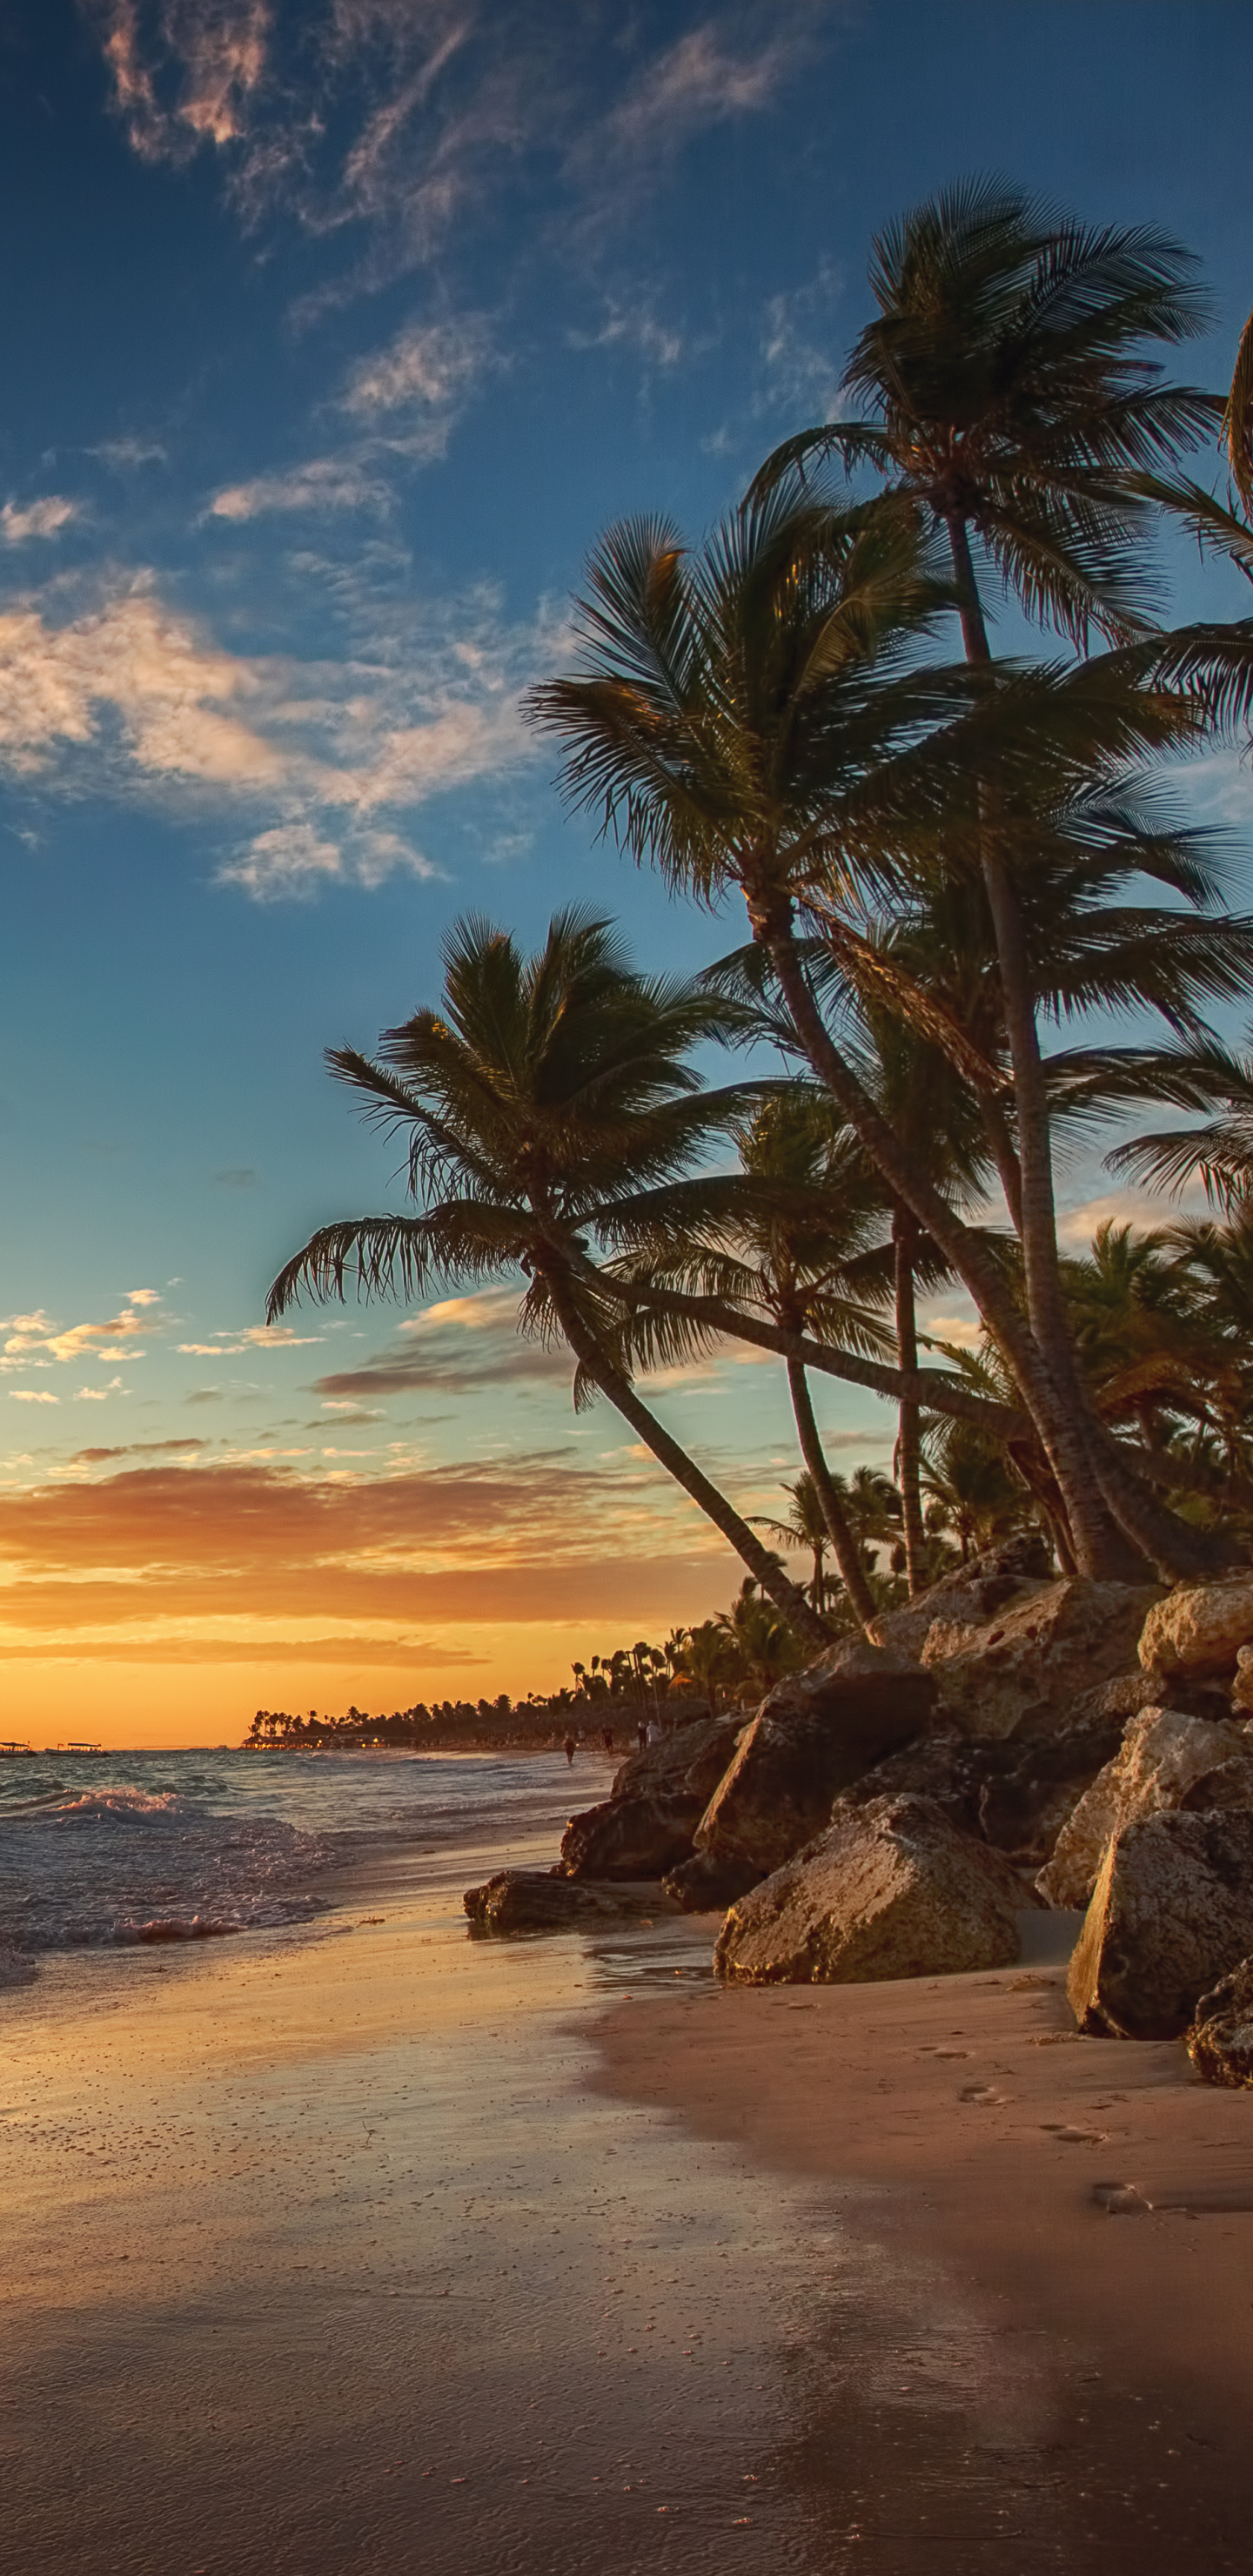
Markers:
<point>755,717</point>
<point>1006,399</point>
<point>543,1088</point>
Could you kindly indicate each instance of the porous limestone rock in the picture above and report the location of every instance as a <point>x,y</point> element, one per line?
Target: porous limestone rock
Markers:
<point>1171,1912</point>
<point>631,1837</point>
<point>531,1900</point>
<point>1199,1628</point>
<point>1022,1670</point>
<point>1026,1805</point>
<point>1220,2042</point>
<point>891,1890</point>
<point>814,1733</point>
<point>1162,1754</point>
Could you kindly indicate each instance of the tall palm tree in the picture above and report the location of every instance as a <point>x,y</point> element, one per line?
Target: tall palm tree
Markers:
<point>1006,397</point>
<point>755,717</point>
<point>543,1087</point>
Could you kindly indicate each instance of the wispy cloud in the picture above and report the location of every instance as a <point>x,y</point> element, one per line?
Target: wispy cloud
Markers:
<point>455,1345</point>
<point>325,760</point>
<point>43,518</point>
<point>701,80</point>
<point>228,1344</point>
<point>126,455</point>
<point>634,326</point>
<point>185,72</point>
<point>415,388</point>
<point>323,483</point>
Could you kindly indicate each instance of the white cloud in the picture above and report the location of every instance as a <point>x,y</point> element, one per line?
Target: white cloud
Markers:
<point>325,483</point>
<point>228,1343</point>
<point>35,1341</point>
<point>696,83</point>
<point>962,1330</point>
<point>32,1395</point>
<point>634,326</point>
<point>43,518</point>
<point>126,454</point>
<point>425,374</point>
<point>323,759</point>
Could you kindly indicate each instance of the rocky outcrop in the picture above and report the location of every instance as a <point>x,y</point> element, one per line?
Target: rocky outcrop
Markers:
<point>630,1837</point>
<point>645,1826</point>
<point>703,1885</point>
<point>1199,1628</point>
<point>814,1733</point>
<point>1162,1755</point>
<point>1220,2042</point>
<point>1229,1785</point>
<point>1022,1670</point>
<point>530,1900</point>
<point>1171,1912</point>
<point>891,1890</point>
<point>688,1759</point>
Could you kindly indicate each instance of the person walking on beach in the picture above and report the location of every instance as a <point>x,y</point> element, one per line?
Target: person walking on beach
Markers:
<point>642,1732</point>
<point>607,1739</point>
<point>569,1750</point>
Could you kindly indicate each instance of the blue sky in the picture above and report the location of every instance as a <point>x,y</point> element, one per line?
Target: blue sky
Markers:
<point>334,335</point>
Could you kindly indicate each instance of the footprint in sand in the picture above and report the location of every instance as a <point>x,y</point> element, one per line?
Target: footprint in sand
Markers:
<point>985,2093</point>
<point>1071,2137</point>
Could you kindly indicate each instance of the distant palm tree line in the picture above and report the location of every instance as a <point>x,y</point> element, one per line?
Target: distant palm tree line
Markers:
<point>940,858</point>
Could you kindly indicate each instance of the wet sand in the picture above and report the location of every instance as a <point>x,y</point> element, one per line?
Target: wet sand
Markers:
<point>1049,2268</point>
<point>380,2249</point>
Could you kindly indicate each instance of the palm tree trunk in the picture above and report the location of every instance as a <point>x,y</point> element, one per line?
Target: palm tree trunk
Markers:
<point>1099,1545</point>
<point>1164,1540</point>
<point>787,1596</point>
<point>847,1553</point>
<point>908,1443</point>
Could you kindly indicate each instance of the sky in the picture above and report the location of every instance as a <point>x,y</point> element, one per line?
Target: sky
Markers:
<point>335,333</point>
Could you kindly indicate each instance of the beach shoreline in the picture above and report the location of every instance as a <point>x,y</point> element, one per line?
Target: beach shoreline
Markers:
<point>364,2244</point>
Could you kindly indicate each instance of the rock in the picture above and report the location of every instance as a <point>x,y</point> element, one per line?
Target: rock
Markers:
<point>1220,2042</point>
<point>1022,1670</point>
<point>1199,1628</point>
<point>530,1900</point>
<point>631,1837</point>
<point>971,1593</point>
<point>691,1759</point>
<point>942,1766</point>
<point>1162,1753</point>
<point>703,1885</point>
<point>1229,1785</point>
<point>891,1890</point>
<point>1242,1686</point>
<point>1025,1807</point>
<point>1171,1912</point>
<point>814,1733</point>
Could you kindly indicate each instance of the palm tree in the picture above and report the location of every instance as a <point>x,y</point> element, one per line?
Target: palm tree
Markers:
<point>546,1086</point>
<point>749,719</point>
<point>972,1491</point>
<point>805,1526</point>
<point>762,1643</point>
<point>1007,401</point>
<point>706,1660</point>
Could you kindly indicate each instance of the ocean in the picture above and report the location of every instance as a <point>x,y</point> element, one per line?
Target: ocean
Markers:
<point>153,1847</point>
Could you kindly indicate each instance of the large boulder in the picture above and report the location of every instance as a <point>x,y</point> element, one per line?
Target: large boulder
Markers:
<point>530,1900</point>
<point>703,1885</point>
<point>1229,1784</point>
<point>1171,1912</point>
<point>1027,1803</point>
<point>690,1759</point>
<point>1162,1754</point>
<point>1199,1628</point>
<point>1220,2042</point>
<point>891,1890</point>
<point>813,1734</point>
<point>631,1837</point>
<point>1022,1670</point>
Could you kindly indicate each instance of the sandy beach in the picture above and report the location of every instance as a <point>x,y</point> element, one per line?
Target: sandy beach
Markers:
<point>378,2248</point>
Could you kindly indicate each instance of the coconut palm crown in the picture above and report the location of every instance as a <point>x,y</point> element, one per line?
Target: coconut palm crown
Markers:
<point>545,1090</point>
